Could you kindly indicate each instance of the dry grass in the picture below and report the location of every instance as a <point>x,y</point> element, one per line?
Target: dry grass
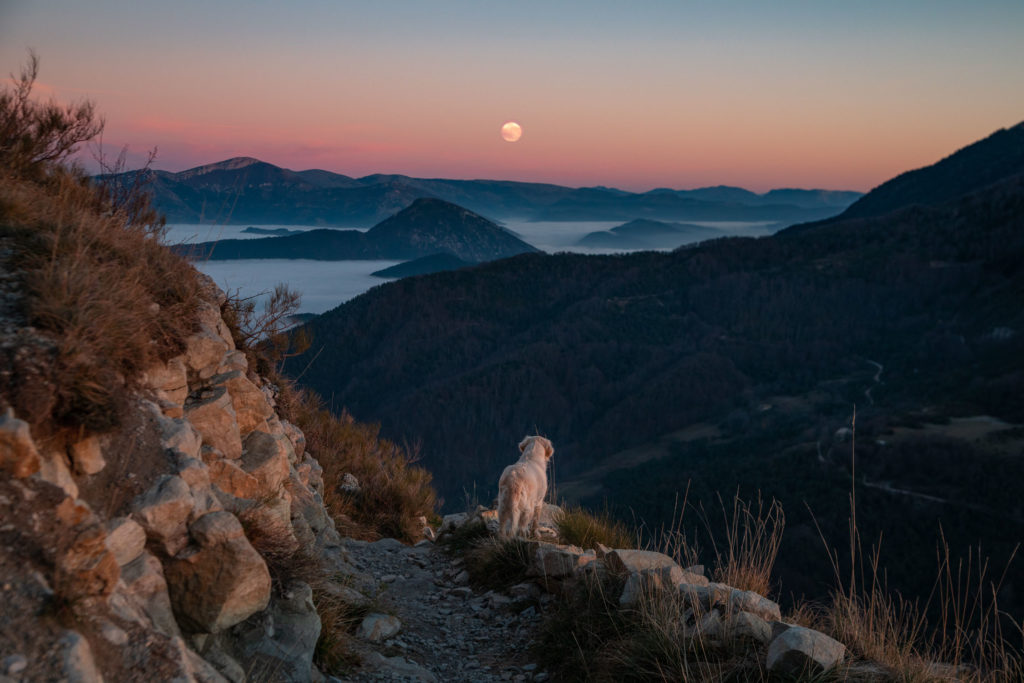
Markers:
<point>753,533</point>
<point>586,529</point>
<point>393,491</point>
<point>106,298</point>
<point>287,560</point>
<point>498,563</point>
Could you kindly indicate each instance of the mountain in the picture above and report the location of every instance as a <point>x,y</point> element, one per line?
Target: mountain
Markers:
<point>734,363</point>
<point>647,234</point>
<point>435,263</point>
<point>973,167</point>
<point>426,227</point>
<point>247,190</point>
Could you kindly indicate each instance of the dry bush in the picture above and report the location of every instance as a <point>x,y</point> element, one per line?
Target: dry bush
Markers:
<point>287,559</point>
<point>586,529</point>
<point>753,534</point>
<point>393,491</point>
<point>498,563</point>
<point>262,335</point>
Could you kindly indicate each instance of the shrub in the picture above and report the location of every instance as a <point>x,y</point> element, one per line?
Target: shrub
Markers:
<point>393,492</point>
<point>498,563</point>
<point>105,297</point>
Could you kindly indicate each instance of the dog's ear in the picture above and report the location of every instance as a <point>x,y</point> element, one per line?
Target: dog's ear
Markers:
<point>524,443</point>
<point>549,450</point>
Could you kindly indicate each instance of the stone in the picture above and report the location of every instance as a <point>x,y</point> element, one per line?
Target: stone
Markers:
<point>76,659</point>
<point>454,521</point>
<point>747,625</point>
<point>220,583</point>
<point>213,415</point>
<point>86,568</point>
<point>171,378</point>
<point>558,561</point>
<point>702,599</point>
<point>87,456</point>
<point>54,468</point>
<point>145,584</point>
<point>627,561</point>
<point>251,408</point>
<point>349,484</point>
<point>230,478</point>
<point>18,454</point>
<point>755,603</point>
<point>800,651</point>
<point>284,635</point>
<point>163,511</point>
<point>126,539</point>
<point>379,627</point>
<point>347,595</point>
<point>266,457</point>
<point>295,436</point>
<point>205,349</point>
<point>525,591</point>
<point>181,436</point>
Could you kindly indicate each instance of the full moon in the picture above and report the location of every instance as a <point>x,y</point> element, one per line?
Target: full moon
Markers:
<point>511,131</point>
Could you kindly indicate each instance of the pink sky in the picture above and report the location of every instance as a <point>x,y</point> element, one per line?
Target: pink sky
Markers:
<point>654,94</point>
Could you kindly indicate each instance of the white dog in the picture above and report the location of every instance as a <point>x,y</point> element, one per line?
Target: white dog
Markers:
<point>522,488</point>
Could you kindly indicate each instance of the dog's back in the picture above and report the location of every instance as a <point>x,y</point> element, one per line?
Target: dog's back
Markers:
<point>523,486</point>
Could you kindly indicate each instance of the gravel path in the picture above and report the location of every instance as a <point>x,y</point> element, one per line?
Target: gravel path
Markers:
<point>449,631</point>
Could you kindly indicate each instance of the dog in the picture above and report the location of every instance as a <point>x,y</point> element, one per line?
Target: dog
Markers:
<point>522,488</point>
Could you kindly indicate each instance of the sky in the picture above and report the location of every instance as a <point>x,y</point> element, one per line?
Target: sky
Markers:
<point>643,94</point>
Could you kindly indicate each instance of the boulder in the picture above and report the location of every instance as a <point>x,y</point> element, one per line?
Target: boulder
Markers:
<point>87,456</point>
<point>755,603</point>
<point>296,437</point>
<point>558,561</point>
<point>171,378</point>
<point>213,415</point>
<point>179,435</point>
<point>54,468</point>
<point>126,539</point>
<point>799,651</point>
<point>282,637</point>
<point>163,511</point>
<point>18,454</point>
<point>747,625</point>
<point>230,478</point>
<point>266,457</point>
<point>251,408</point>
<point>629,561</point>
<point>146,587</point>
<point>221,582</point>
<point>379,627</point>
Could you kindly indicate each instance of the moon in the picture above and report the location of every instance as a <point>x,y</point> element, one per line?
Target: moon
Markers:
<point>511,131</point>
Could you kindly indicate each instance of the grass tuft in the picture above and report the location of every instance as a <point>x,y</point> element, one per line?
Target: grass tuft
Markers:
<point>585,529</point>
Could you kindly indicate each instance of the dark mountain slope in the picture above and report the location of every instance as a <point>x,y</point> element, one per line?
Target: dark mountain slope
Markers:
<point>647,234</point>
<point>435,263</point>
<point>426,227</point>
<point>971,168</point>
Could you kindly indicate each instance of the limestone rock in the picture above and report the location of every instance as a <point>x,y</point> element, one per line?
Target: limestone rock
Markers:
<point>180,435</point>
<point>251,408</point>
<point>559,561</point>
<point>214,416</point>
<point>379,627</point>
<point>266,457</point>
<point>220,583</point>
<point>282,637</point>
<point>231,478</point>
<point>144,581</point>
<point>171,378</point>
<point>126,539</point>
<point>296,437</point>
<point>18,454</point>
<point>87,456</point>
<point>755,603</point>
<point>628,561</point>
<point>163,511</point>
<point>803,651</point>
<point>747,625</point>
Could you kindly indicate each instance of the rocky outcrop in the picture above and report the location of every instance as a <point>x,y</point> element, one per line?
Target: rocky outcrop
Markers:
<point>145,533</point>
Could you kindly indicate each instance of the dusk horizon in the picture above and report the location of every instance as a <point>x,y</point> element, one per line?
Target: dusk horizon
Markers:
<point>679,95</point>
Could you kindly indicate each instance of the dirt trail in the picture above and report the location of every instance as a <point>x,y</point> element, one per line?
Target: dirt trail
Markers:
<point>450,632</point>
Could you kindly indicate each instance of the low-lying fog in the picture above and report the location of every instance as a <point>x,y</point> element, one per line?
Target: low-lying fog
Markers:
<point>326,284</point>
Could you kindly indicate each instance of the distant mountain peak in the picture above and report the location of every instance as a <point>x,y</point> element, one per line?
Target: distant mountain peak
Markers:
<point>232,164</point>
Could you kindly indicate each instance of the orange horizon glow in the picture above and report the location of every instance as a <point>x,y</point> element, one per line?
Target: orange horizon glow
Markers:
<point>677,95</point>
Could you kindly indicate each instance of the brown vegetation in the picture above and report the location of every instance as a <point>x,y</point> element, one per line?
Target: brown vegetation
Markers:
<point>105,297</point>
